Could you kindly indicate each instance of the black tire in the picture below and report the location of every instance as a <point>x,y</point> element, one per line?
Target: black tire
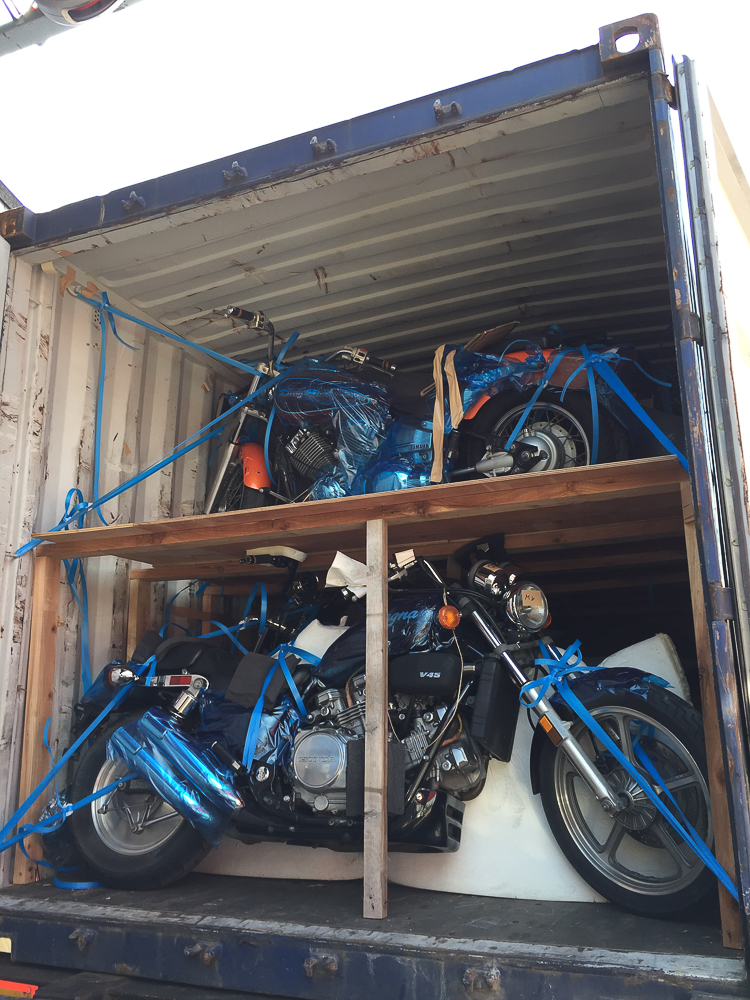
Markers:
<point>167,863</point>
<point>234,495</point>
<point>571,810</point>
<point>482,432</point>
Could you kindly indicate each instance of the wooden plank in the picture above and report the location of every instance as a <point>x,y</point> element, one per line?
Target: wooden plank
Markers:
<point>139,611</point>
<point>376,725</point>
<point>40,682</point>
<point>642,478</point>
<point>730,917</point>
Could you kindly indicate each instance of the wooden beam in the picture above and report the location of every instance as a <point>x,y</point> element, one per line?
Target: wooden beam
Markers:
<point>730,917</point>
<point>40,683</point>
<point>205,536</point>
<point>376,725</point>
<point>213,608</point>
<point>139,611</point>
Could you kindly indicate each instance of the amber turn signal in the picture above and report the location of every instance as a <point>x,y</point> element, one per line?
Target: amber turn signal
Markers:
<point>449,617</point>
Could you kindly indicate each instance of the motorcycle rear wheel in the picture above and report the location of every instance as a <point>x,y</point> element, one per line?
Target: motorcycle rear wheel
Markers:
<point>561,430</point>
<point>635,859</point>
<point>105,833</point>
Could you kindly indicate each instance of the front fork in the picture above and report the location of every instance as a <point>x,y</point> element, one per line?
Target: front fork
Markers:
<point>549,720</point>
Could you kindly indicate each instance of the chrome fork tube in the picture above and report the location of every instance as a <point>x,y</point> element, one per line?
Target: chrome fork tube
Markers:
<point>550,721</point>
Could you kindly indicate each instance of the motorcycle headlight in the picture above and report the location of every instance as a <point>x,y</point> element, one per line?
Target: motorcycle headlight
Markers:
<point>527,606</point>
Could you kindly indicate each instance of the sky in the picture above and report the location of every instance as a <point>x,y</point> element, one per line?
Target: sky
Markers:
<point>170,83</point>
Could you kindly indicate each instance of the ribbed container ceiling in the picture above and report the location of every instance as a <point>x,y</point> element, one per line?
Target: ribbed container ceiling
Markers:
<point>549,216</point>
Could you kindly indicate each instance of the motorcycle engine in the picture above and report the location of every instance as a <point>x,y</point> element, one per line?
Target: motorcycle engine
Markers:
<point>319,758</point>
<point>310,453</point>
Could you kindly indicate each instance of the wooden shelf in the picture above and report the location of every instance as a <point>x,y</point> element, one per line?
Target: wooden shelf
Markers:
<point>626,501</point>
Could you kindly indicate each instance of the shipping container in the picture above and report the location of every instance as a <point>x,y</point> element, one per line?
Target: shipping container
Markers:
<point>588,191</point>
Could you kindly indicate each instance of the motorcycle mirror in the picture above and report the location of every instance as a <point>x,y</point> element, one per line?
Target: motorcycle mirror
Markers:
<point>491,338</point>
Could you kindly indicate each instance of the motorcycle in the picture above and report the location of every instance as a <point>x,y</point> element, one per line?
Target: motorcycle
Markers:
<point>325,430</point>
<point>269,746</point>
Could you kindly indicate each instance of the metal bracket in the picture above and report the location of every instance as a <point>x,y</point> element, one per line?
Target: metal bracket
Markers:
<point>17,227</point>
<point>84,938</point>
<point>690,326</point>
<point>323,149</point>
<point>646,26</point>
<point>321,965</point>
<point>663,89</point>
<point>134,202</point>
<point>722,603</point>
<point>208,953</point>
<point>477,980</point>
<point>452,110</point>
<point>235,173</point>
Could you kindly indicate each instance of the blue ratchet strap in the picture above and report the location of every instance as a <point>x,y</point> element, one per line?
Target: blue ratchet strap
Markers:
<point>76,885</point>
<point>190,442</point>
<point>228,632</point>
<point>267,443</point>
<point>73,568</point>
<point>262,589</point>
<point>601,364</point>
<point>165,627</point>
<point>112,311</point>
<point>290,343</point>
<point>52,774</point>
<point>614,382</point>
<point>251,739</point>
<point>558,671</point>
<point>543,383</point>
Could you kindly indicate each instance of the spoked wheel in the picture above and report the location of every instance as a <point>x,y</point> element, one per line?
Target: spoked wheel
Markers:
<point>234,495</point>
<point>636,858</point>
<point>131,838</point>
<point>553,435</point>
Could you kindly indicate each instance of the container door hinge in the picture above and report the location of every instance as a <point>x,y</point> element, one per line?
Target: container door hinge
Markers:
<point>690,326</point>
<point>722,603</point>
<point>663,90</point>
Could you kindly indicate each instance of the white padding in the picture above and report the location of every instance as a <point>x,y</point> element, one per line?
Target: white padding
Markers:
<point>656,655</point>
<point>316,638</point>
<point>506,847</point>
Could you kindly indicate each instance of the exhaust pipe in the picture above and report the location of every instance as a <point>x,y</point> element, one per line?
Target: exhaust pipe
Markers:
<point>186,775</point>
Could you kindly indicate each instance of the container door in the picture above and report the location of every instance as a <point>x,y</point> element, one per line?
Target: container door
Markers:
<point>713,427</point>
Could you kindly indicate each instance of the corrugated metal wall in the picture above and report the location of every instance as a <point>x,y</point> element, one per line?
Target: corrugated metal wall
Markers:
<point>49,377</point>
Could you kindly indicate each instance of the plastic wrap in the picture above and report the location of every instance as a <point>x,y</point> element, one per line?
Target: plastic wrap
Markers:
<point>412,628</point>
<point>404,459</point>
<point>227,723</point>
<point>316,393</point>
<point>180,770</point>
<point>276,733</point>
<point>610,680</point>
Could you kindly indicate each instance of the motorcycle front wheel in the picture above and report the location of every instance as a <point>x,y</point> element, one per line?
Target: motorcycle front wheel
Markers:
<point>636,858</point>
<point>131,838</point>
<point>234,495</point>
<point>554,434</point>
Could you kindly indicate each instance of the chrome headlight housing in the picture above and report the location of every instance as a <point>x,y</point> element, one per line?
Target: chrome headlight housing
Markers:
<point>75,11</point>
<point>527,606</point>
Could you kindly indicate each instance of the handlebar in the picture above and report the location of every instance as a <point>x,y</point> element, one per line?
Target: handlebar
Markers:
<point>360,357</point>
<point>255,320</point>
<point>380,364</point>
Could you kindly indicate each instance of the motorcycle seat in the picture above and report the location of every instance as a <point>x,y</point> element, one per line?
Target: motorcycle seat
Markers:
<point>404,388</point>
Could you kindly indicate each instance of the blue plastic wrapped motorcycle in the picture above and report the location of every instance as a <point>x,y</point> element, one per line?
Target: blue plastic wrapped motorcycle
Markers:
<point>350,423</point>
<point>269,745</point>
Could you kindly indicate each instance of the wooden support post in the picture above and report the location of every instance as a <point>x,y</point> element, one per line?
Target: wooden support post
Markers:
<point>139,612</point>
<point>40,682</point>
<point>730,917</point>
<point>376,725</point>
<point>213,605</point>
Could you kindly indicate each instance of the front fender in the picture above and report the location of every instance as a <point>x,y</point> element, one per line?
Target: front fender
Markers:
<point>588,687</point>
